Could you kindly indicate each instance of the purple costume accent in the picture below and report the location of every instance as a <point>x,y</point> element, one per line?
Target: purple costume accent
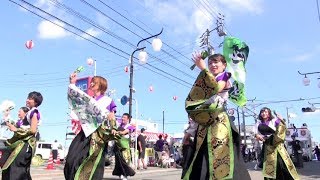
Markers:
<point>224,76</point>
<point>276,123</point>
<point>35,111</point>
<point>112,107</point>
<point>19,123</point>
<point>98,97</point>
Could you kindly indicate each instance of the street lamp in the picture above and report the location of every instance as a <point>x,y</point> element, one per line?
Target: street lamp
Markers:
<point>93,62</point>
<point>306,80</point>
<point>143,56</point>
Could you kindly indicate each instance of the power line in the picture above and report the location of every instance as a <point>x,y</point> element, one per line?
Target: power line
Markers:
<point>284,101</point>
<point>149,34</point>
<point>201,10</point>
<point>70,10</point>
<point>82,32</point>
<point>208,9</point>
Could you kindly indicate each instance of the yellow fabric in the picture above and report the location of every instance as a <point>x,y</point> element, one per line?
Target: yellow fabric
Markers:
<point>150,152</point>
<point>17,146</point>
<point>213,123</point>
<point>271,152</point>
<point>98,140</point>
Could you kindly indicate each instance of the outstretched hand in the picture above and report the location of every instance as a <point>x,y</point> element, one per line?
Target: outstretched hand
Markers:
<point>196,57</point>
<point>73,78</point>
<point>11,127</point>
<point>279,117</point>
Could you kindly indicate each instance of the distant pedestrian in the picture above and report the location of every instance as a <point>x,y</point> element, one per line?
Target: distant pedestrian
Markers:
<point>159,148</point>
<point>141,140</point>
<point>55,148</point>
<point>297,152</point>
<point>317,152</point>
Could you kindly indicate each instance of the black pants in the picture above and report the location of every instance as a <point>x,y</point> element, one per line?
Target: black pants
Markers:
<point>20,167</point>
<point>78,152</point>
<point>55,154</point>
<point>282,171</point>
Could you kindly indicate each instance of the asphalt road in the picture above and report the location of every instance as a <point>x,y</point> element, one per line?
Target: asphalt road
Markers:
<point>311,170</point>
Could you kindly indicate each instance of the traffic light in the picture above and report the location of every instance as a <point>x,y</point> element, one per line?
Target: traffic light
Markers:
<point>308,109</point>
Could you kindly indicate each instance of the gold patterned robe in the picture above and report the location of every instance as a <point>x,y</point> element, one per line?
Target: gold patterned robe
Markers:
<point>271,151</point>
<point>214,124</point>
<point>99,139</point>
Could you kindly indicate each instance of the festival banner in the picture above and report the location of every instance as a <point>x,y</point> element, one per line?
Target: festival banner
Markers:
<point>236,53</point>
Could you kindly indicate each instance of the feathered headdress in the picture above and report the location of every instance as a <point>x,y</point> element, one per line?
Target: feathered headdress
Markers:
<point>5,107</point>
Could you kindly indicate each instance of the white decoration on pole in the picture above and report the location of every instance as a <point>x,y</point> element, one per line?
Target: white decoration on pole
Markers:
<point>156,44</point>
<point>90,61</point>
<point>143,56</point>
<point>306,81</point>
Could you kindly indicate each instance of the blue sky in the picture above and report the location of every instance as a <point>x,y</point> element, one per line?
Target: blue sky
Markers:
<point>282,37</point>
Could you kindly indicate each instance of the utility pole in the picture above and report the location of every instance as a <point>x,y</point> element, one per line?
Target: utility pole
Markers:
<point>244,128</point>
<point>244,122</point>
<point>204,39</point>
<point>163,122</point>
<point>238,116</point>
<point>288,117</point>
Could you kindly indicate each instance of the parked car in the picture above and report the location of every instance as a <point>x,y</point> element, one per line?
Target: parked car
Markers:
<point>43,150</point>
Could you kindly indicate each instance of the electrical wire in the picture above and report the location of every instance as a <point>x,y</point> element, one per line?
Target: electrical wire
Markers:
<point>166,52</point>
<point>113,34</point>
<point>84,33</point>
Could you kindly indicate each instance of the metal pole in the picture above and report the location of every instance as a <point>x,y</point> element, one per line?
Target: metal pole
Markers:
<point>136,135</point>
<point>136,110</point>
<point>288,117</point>
<point>163,122</point>
<point>131,69</point>
<point>131,80</point>
<point>238,115</point>
<point>95,68</point>
<point>244,129</point>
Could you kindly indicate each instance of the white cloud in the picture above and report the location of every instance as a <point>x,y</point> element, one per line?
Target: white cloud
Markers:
<point>253,6</point>
<point>292,115</point>
<point>90,31</point>
<point>46,5</point>
<point>306,56</point>
<point>196,17</point>
<point>201,21</point>
<point>102,20</point>
<point>303,57</point>
<point>48,30</point>
<point>182,17</point>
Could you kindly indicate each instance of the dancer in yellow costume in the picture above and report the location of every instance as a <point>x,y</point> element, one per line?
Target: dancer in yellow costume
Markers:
<point>216,143</point>
<point>276,160</point>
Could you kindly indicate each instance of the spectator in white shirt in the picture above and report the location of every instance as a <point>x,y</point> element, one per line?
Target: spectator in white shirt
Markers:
<point>55,147</point>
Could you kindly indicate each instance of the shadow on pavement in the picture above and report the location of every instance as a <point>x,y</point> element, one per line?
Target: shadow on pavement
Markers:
<point>310,169</point>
